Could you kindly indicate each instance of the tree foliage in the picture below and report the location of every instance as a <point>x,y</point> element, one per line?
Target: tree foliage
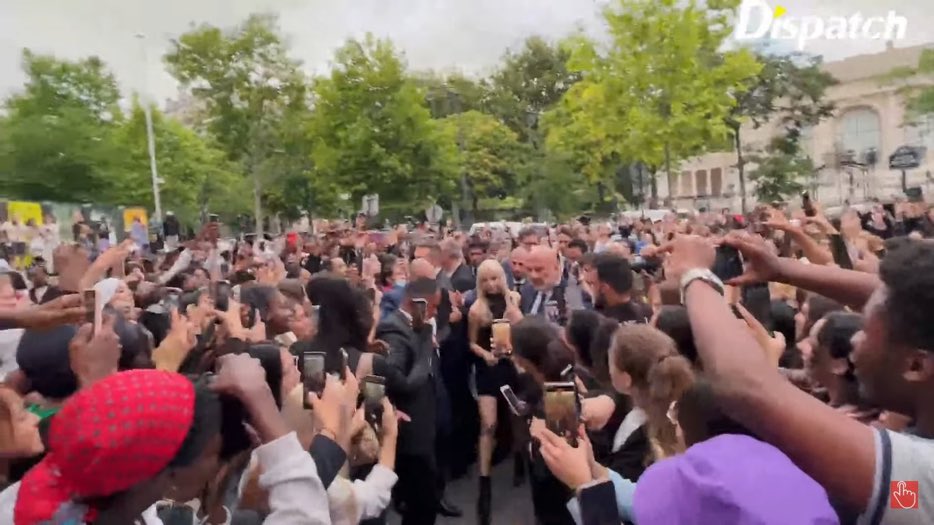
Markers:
<point>57,138</point>
<point>789,90</point>
<point>780,169</point>
<point>489,153</point>
<point>372,131</point>
<point>657,93</point>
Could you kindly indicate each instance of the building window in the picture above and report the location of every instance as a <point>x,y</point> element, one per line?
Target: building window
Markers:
<point>716,182</point>
<point>859,131</point>
<point>920,132</point>
<point>700,182</point>
<point>686,184</point>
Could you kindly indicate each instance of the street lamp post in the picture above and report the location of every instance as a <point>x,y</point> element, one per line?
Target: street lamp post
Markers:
<point>150,135</point>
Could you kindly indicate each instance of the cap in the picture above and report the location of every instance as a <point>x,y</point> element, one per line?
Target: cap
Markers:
<point>731,479</point>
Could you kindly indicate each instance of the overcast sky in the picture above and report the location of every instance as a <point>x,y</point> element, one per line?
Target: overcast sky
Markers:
<point>466,35</point>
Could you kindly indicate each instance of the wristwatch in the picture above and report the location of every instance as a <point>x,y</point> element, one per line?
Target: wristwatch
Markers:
<point>700,274</point>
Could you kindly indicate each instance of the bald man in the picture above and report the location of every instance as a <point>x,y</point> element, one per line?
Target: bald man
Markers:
<point>544,287</point>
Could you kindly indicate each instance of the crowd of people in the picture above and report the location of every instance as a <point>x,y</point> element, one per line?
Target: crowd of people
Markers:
<point>774,367</point>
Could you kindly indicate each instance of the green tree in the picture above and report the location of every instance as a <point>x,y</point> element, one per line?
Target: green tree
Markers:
<point>778,170</point>
<point>373,133</point>
<point>57,137</point>
<point>452,94</point>
<point>789,89</point>
<point>489,154</point>
<point>251,91</point>
<point>657,93</point>
<point>919,96</point>
<point>196,175</point>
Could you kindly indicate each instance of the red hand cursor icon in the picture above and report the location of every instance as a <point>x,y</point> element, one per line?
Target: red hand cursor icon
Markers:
<point>904,495</point>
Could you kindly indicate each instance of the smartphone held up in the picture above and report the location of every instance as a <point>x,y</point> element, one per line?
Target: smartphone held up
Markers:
<point>93,308</point>
<point>313,374</point>
<point>562,412</point>
<point>374,390</point>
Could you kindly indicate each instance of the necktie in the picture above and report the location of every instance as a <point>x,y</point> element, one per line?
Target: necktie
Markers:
<point>537,304</point>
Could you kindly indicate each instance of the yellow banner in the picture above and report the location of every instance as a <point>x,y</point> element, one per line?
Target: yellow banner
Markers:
<point>25,211</point>
<point>131,214</point>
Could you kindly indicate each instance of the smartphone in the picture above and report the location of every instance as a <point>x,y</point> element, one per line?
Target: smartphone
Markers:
<point>841,255</point>
<point>172,298</point>
<point>516,405</point>
<point>807,205</point>
<point>501,337</point>
<point>421,305</point>
<point>345,360</point>
<point>315,316</point>
<point>93,309</point>
<point>222,295</point>
<point>374,390</point>
<point>313,376</point>
<point>728,263</point>
<point>551,311</point>
<point>562,415</point>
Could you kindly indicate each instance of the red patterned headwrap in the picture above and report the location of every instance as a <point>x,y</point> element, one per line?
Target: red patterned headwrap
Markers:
<point>107,438</point>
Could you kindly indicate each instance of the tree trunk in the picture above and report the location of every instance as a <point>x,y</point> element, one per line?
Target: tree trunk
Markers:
<point>671,179</point>
<point>257,203</point>
<point>741,168</point>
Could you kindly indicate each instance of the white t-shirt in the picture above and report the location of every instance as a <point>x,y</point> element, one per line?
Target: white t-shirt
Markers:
<point>901,458</point>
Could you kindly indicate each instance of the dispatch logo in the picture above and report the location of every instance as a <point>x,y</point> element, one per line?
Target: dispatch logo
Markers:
<point>758,19</point>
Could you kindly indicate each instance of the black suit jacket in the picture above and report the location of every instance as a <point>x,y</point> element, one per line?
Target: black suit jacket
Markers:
<point>463,279</point>
<point>527,294</point>
<point>407,349</point>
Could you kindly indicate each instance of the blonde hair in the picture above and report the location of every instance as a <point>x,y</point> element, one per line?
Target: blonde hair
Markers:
<point>482,305</point>
<point>659,374</point>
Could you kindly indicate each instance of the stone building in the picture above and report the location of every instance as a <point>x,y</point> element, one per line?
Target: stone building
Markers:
<point>851,149</point>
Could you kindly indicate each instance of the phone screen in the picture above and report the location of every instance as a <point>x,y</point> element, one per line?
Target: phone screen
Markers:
<point>345,362</point>
<point>728,263</point>
<point>222,295</point>
<point>841,255</point>
<point>93,311</point>
<point>313,376</point>
<point>807,205</point>
<point>551,311</point>
<point>421,305</point>
<point>315,316</point>
<point>516,405</point>
<point>501,337</point>
<point>172,299</point>
<point>374,390</point>
<point>561,412</point>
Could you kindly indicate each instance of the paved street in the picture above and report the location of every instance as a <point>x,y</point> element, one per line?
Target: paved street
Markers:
<point>511,506</point>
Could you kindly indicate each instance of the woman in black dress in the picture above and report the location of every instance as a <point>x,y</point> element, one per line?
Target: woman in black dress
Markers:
<point>494,302</point>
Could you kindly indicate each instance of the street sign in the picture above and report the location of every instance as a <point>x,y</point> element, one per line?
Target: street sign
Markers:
<point>434,214</point>
<point>906,158</point>
<point>370,205</point>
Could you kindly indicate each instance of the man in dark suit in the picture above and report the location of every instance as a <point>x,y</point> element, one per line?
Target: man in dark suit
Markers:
<point>409,333</point>
<point>543,286</point>
<point>463,276</point>
<point>612,286</point>
<point>447,320</point>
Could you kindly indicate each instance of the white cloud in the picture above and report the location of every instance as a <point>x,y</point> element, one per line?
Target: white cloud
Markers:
<point>468,35</point>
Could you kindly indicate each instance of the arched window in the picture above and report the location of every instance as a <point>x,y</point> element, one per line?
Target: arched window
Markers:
<point>859,130</point>
<point>716,182</point>
<point>700,182</point>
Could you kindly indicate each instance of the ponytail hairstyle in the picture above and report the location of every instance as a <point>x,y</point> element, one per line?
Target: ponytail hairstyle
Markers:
<point>659,376</point>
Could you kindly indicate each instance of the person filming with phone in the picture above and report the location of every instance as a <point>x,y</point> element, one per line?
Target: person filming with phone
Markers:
<point>409,333</point>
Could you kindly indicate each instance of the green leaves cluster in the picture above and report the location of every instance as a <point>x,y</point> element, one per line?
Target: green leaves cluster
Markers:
<point>562,128</point>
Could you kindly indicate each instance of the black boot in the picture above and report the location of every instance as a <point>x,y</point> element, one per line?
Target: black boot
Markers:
<point>518,470</point>
<point>484,501</point>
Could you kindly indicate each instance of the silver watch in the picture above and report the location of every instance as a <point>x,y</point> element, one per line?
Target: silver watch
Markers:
<point>702,274</point>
